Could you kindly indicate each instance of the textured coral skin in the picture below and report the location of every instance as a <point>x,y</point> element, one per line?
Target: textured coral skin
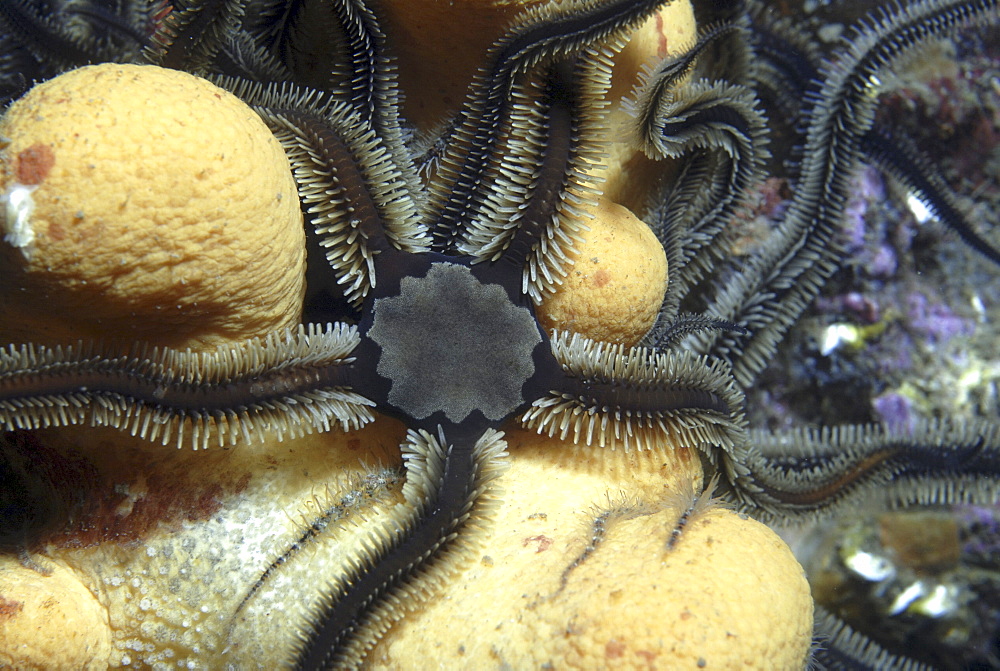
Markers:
<point>142,212</point>
<point>619,257</point>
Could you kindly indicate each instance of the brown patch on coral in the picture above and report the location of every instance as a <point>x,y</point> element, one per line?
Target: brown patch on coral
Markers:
<point>127,506</point>
<point>121,496</point>
<point>662,48</point>
<point>650,657</point>
<point>9,609</point>
<point>56,231</point>
<point>614,649</point>
<point>601,277</point>
<point>34,164</point>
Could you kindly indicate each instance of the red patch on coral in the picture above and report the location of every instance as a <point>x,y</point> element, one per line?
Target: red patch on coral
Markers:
<point>56,231</point>
<point>126,507</point>
<point>601,277</point>
<point>614,649</point>
<point>661,45</point>
<point>34,163</point>
<point>9,609</point>
<point>544,542</point>
<point>650,657</point>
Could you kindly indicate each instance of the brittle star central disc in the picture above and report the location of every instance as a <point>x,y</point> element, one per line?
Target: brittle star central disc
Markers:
<point>452,343</point>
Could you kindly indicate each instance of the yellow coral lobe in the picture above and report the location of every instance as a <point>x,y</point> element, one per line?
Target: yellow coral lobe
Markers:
<point>50,621</point>
<point>614,289</point>
<point>729,592</point>
<point>145,204</point>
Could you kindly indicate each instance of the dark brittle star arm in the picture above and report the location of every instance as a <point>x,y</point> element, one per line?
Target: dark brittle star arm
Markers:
<point>607,395</point>
<point>40,43</point>
<point>447,502</point>
<point>193,33</point>
<point>814,473</point>
<point>353,190</point>
<point>363,79</point>
<point>788,69</point>
<point>46,35</point>
<point>528,229</point>
<point>291,384</point>
<point>779,284</point>
<point>722,134</point>
<point>900,158</point>
<point>472,147</point>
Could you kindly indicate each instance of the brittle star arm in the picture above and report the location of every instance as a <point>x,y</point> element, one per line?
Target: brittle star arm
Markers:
<point>784,279</point>
<point>459,191</point>
<point>528,228</point>
<point>638,398</point>
<point>406,557</point>
<point>193,32</point>
<point>788,68</point>
<point>900,158</point>
<point>720,129</point>
<point>813,473</point>
<point>364,78</point>
<point>353,190</point>
<point>40,43</point>
<point>290,384</point>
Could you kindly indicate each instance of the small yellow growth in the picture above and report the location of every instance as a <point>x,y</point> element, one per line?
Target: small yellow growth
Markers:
<point>50,621</point>
<point>145,204</point>
<point>615,287</point>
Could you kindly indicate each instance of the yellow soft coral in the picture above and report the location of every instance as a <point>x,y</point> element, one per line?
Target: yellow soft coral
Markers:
<point>51,620</point>
<point>167,572</point>
<point>133,194</point>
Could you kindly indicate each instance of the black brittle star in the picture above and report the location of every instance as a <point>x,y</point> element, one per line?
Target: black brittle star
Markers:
<point>443,292</point>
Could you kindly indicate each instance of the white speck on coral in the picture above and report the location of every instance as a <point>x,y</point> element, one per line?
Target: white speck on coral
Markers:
<point>978,306</point>
<point>16,217</point>
<point>943,600</point>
